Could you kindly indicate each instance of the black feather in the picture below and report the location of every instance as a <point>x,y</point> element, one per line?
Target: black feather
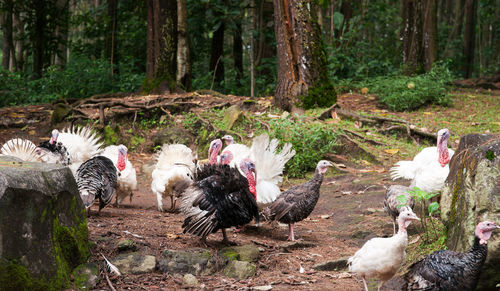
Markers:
<point>58,149</point>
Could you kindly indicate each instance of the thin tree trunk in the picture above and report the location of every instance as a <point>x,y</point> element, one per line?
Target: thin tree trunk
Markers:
<point>238,51</point>
<point>429,30</point>
<point>302,66</point>
<point>470,11</point>
<point>6,19</point>
<point>217,50</point>
<point>110,36</point>
<point>332,23</point>
<point>184,76</point>
<point>39,38</point>
<point>18,29</point>
<point>62,33</point>
<point>252,45</point>
<point>412,36</point>
<point>456,29</point>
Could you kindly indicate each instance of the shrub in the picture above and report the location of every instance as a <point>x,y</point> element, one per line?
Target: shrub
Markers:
<point>403,93</point>
<point>310,141</point>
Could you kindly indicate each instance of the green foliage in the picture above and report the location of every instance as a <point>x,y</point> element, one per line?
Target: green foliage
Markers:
<point>320,96</point>
<point>310,141</point>
<point>403,93</point>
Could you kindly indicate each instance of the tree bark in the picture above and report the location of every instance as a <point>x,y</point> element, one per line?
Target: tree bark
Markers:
<point>62,33</point>
<point>184,76</point>
<point>39,37</point>
<point>162,46</point>
<point>470,12</point>
<point>302,65</point>
<point>429,30</point>
<point>6,23</point>
<point>217,49</point>
<point>238,51</point>
<point>110,40</point>
<point>18,28</point>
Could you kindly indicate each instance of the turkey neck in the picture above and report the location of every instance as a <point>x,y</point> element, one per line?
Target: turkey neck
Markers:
<point>477,253</point>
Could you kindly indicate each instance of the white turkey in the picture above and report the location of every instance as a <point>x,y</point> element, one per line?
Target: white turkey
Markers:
<point>127,181</point>
<point>393,206</point>
<point>81,143</point>
<point>382,257</point>
<point>20,148</point>
<point>268,162</point>
<point>220,198</point>
<point>298,202</point>
<point>450,270</point>
<point>429,168</point>
<point>96,178</point>
<point>174,164</point>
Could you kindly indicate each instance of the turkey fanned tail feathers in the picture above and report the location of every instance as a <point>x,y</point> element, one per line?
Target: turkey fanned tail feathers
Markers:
<point>96,178</point>
<point>218,199</point>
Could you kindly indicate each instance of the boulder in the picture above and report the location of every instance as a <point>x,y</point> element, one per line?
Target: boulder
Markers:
<point>239,270</point>
<point>471,194</point>
<point>248,253</point>
<point>196,261</point>
<point>43,227</point>
<point>86,276</point>
<point>134,263</point>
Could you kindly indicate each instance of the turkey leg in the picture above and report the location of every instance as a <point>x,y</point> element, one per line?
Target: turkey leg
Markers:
<point>291,236</point>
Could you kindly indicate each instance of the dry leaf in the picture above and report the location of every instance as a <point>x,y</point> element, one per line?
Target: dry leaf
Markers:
<point>274,116</point>
<point>31,132</point>
<point>427,113</point>
<point>358,124</point>
<point>496,123</point>
<point>391,151</point>
<point>366,162</point>
<point>335,117</point>
<point>172,235</point>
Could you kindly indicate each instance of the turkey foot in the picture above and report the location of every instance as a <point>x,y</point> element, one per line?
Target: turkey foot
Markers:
<point>226,240</point>
<point>291,236</point>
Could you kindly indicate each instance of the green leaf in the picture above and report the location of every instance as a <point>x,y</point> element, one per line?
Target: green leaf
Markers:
<point>402,201</point>
<point>433,207</point>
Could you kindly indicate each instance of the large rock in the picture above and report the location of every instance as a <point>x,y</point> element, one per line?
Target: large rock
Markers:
<point>471,194</point>
<point>134,263</point>
<point>239,270</point>
<point>43,228</point>
<point>196,261</point>
<point>248,253</point>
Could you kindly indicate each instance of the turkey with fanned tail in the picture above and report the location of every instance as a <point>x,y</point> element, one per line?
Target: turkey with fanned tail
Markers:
<point>450,270</point>
<point>298,202</point>
<point>96,178</point>
<point>219,198</point>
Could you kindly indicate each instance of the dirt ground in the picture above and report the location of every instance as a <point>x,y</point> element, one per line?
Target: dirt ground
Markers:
<point>349,212</point>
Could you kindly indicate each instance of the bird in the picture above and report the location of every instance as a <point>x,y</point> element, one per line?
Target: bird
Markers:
<point>450,270</point>
<point>393,206</point>
<point>81,143</point>
<point>127,181</point>
<point>269,164</point>
<point>20,148</point>
<point>96,178</point>
<point>382,257</point>
<point>219,198</point>
<point>52,151</point>
<point>174,163</point>
<point>429,169</point>
<point>213,151</point>
<point>238,150</point>
<point>298,202</point>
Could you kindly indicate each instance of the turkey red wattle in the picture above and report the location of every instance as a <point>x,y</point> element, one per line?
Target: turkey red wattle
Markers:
<point>442,146</point>
<point>252,182</point>
<point>53,138</point>
<point>122,158</point>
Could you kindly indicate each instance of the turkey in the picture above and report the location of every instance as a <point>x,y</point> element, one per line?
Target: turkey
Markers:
<point>391,201</point>
<point>81,144</point>
<point>382,257</point>
<point>174,164</point>
<point>96,178</point>
<point>127,181</point>
<point>298,202</point>
<point>429,168</point>
<point>213,151</point>
<point>269,164</point>
<point>22,149</point>
<point>239,151</point>
<point>450,270</point>
<point>52,151</point>
<point>220,198</point>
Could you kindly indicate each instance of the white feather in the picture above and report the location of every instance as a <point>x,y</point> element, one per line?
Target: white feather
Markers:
<point>127,180</point>
<point>20,148</point>
<point>111,268</point>
<point>174,163</point>
<point>81,143</point>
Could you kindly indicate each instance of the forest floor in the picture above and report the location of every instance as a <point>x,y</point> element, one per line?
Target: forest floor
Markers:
<point>348,213</point>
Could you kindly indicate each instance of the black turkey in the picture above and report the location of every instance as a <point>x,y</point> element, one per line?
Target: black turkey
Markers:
<point>220,198</point>
<point>393,206</point>
<point>450,270</point>
<point>96,178</point>
<point>298,202</point>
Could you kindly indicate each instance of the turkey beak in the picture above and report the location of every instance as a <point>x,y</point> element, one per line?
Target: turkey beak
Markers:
<point>415,217</point>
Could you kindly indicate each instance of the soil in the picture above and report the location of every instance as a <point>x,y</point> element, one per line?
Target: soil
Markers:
<point>348,213</point>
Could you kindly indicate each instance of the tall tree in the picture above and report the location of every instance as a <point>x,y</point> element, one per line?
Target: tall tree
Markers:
<point>184,75</point>
<point>302,65</point>
<point>419,35</point>
<point>217,50</point>
<point>162,45</point>
<point>110,38</point>
<point>6,23</point>
<point>238,50</point>
<point>62,32</point>
<point>470,12</point>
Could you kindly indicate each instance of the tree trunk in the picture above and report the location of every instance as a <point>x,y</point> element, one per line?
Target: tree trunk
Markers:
<point>62,33</point>
<point>18,28</point>
<point>470,11</point>
<point>419,35</point>
<point>184,75</point>
<point>238,51</point>
<point>39,38</point>
<point>302,65</point>
<point>217,50</point>
<point>6,23</point>
<point>110,41</point>
<point>456,29</point>
<point>162,46</point>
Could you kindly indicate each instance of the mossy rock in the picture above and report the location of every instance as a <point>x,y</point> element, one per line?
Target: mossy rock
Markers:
<point>195,261</point>
<point>86,276</point>
<point>248,253</point>
<point>43,227</point>
<point>61,111</point>
<point>240,270</point>
<point>124,245</point>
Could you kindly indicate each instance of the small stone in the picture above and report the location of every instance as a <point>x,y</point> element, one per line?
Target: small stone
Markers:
<point>370,210</point>
<point>86,276</point>
<point>134,263</point>
<point>325,216</point>
<point>190,279</point>
<point>263,288</point>
<point>331,265</point>
<point>126,245</point>
<point>239,270</point>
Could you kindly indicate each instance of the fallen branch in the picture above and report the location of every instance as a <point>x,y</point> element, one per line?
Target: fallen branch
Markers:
<point>109,283</point>
<point>370,141</point>
<point>328,113</point>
